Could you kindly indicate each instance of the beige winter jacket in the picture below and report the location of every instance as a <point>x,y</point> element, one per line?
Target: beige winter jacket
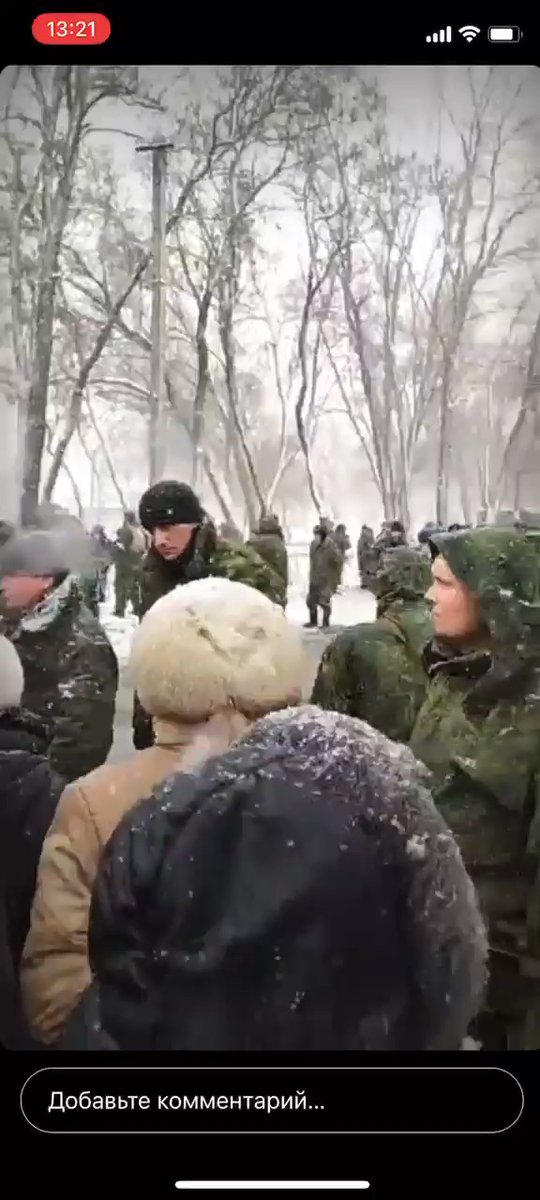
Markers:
<point>55,970</point>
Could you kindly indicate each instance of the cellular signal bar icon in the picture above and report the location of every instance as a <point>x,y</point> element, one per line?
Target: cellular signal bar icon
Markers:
<point>444,35</point>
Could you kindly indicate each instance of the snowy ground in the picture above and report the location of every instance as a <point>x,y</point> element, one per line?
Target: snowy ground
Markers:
<point>350,606</point>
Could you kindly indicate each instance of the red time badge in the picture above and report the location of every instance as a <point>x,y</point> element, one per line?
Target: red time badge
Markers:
<point>71,29</point>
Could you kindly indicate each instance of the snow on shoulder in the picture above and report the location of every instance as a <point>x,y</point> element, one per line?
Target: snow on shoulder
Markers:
<point>370,798</point>
<point>214,644</point>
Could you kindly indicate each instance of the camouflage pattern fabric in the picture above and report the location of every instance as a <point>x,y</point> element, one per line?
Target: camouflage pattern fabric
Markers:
<point>479,732</point>
<point>213,556</point>
<point>71,678</point>
<point>269,544</point>
<point>367,557</point>
<point>374,671</point>
<point>324,569</point>
<point>128,554</point>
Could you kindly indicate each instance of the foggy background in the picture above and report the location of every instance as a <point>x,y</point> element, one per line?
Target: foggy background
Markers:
<point>353,289</point>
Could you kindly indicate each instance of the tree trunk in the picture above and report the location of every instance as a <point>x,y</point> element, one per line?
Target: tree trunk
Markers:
<point>72,423</point>
<point>37,396</point>
<point>201,391</point>
<point>302,391</point>
<point>225,327</point>
<point>76,492</point>
<point>441,501</point>
<point>106,454</point>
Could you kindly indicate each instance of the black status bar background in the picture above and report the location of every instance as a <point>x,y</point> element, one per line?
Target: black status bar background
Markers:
<point>190,33</point>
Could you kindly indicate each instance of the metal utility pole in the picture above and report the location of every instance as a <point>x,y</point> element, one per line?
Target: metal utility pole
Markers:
<point>157,404</point>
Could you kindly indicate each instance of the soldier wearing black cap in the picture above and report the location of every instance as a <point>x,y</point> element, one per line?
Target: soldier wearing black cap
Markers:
<point>186,546</point>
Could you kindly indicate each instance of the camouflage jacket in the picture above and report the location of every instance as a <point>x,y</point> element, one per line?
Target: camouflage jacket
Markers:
<point>213,556</point>
<point>71,678</point>
<point>479,732</point>
<point>272,549</point>
<point>132,542</point>
<point>325,563</point>
<point>374,671</point>
<point>367,556</point>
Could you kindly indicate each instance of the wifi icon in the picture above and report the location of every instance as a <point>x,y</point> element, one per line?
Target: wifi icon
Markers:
<point>469,32</point>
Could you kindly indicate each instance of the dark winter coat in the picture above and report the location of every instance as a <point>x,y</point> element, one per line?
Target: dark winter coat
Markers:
<point>207,555</point>
<point>479,732</point>
<point>29,793</point>
<point>301,893</point>
<point>342,540</point>
<point>374,671</point>
<point>71,677</point>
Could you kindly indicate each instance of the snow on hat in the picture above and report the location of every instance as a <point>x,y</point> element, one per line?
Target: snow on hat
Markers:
<point>215,644</point>
<point>11,675</point>
<point>170,503</point>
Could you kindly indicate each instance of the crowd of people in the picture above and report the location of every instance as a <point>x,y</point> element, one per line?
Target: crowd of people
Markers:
<point>349,865</point>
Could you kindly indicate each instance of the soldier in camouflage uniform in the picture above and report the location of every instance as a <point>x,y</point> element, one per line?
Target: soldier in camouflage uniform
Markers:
<point>70,669</point>
<point>343,543</point>
<point>366,556</point>
<point>479,732</point>
<point>324,569</point>
<point>374,670</point>
<point>186,546</point>
<point>269,543</point>
<point>128,552</point>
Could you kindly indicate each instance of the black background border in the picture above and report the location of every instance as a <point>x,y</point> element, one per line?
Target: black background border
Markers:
<point>169,33</point>
<point>431,1166</point>
<point>147,1166</point>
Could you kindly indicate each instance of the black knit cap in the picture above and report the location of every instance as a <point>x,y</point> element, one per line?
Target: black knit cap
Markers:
<point>170,503</point>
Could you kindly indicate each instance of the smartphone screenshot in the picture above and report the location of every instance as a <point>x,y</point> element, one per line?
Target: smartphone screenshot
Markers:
<point>269,601</point>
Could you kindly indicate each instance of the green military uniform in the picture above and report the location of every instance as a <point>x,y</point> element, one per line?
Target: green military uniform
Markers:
<point>367,557</point>
<point>93,583</point>
<point>324,571</point>
<point>70,678</point>
<point>374,671</point>
<point>268,542</point>
<point>128,552</point>
<point>479,732</point>
<point>212,556</point>
<point>343,543</point>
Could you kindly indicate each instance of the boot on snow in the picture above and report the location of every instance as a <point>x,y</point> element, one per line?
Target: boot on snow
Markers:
<point>312,623</point>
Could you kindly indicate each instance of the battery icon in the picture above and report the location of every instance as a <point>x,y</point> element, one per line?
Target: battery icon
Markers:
<point>504,33</point>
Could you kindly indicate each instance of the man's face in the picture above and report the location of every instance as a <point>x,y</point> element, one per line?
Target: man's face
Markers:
<point>25,591</point>
<point>172,540</point>
<point>455,612</point>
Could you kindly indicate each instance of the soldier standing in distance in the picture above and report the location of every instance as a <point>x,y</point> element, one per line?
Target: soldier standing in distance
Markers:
<point>324,568</point>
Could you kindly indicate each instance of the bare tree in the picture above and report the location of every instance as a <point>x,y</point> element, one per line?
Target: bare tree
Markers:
<point>62,104</point>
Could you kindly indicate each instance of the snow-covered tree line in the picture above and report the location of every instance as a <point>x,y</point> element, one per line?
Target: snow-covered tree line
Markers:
<point>344,312</point>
